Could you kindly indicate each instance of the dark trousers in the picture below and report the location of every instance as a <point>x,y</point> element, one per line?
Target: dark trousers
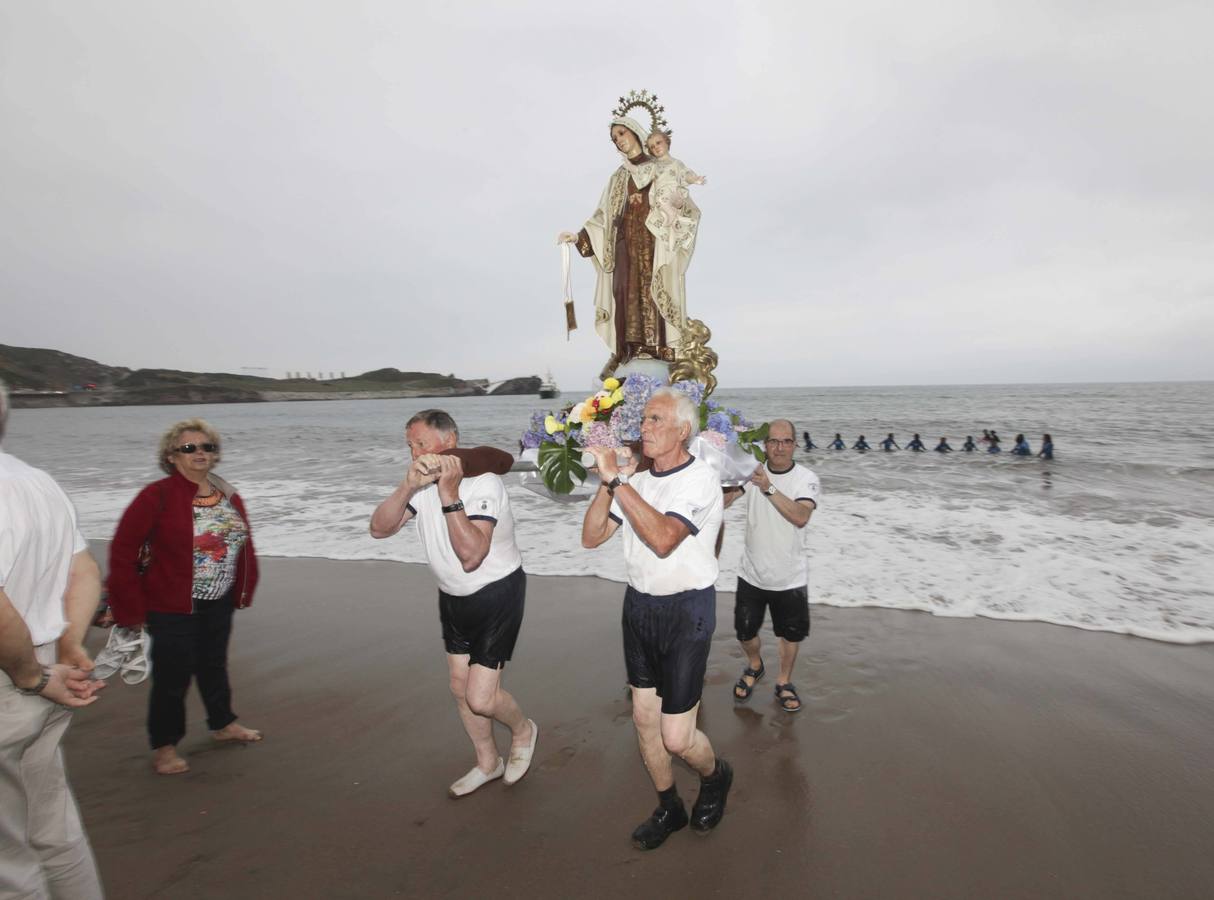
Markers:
<point>186,646</point>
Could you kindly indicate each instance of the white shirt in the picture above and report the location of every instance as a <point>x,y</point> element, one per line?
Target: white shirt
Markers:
<point>692,494</point>
<point>38,538</point>
<point>775,557</point>
<point>484,497</point>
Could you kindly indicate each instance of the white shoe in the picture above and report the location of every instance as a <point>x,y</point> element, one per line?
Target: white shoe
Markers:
<point>476,778</point>
<point>520,757</point>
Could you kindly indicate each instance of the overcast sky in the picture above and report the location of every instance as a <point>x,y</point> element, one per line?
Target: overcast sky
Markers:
<point>899,193</point>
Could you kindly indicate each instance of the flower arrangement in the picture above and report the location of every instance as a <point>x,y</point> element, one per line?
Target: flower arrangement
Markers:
<point>611,417</point>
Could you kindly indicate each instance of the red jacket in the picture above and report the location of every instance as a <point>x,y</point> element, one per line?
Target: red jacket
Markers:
<point>164,512</point>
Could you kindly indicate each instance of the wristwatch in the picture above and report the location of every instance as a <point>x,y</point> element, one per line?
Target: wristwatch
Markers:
<point>37,689</point>
<point>620,478</point>
<point>770,490</point>
<point>454,507</point>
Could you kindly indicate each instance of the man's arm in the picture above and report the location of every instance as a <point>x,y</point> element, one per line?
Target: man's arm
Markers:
<point>67,686</point>
<point>598,526</point>
<point>470,538</point>
<point>391,515</point>
<point>795,511</point>
<point>79,606</point>
<point>660,532</point>
<point>16,649</point>
<point>730,494</point>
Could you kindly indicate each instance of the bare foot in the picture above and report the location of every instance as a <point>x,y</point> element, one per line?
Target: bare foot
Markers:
<point>237,732</point>
<point>165,761</point>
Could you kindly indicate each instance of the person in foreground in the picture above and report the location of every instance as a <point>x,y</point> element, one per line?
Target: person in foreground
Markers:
<point>202,568</point>
<point>466,528</point>
<point>669,516</point>
<point>773,572</point>
<point>49,588</point>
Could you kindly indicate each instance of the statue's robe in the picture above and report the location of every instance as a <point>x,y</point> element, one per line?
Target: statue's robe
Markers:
<point>628,317</point>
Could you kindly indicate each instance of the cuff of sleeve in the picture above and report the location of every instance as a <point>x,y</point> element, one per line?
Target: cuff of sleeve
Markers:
<point>615,518</point>
<point>691,526</point>
<point>409,506</point>
<point>485,518</point>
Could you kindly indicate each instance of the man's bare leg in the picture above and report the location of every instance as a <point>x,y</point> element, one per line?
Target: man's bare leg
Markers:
<point>487,698</point>
<point>647,719</point>
<point>671,815</point>
<point>479,728</point>
<point>754,660</point>
<point>481,700</point>
<point>788,659</point>
<point>681,737</point>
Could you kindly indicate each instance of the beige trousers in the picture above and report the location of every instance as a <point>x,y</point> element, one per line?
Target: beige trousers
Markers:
<point>44,852</point>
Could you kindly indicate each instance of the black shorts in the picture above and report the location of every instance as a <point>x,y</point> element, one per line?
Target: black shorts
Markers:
<point>485,624</point>
<point>666,642</point>
<point>789,612</point>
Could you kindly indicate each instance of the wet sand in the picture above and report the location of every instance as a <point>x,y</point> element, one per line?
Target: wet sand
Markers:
<point>935,758</point>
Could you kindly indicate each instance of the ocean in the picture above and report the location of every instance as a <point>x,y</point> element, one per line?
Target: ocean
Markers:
<point>1115,534</point>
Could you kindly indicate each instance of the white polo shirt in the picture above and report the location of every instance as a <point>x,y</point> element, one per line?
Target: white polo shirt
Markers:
<point>692,494</point>
<point>38,538</point>
<point>775,557</point>
<point>484,497</point>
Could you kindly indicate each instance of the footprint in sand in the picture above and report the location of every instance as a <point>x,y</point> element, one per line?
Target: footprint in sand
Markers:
<point>831,715</point>
<point>558,760</point>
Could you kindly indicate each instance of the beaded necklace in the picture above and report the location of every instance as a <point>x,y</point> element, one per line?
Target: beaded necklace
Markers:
<point>211,499</point>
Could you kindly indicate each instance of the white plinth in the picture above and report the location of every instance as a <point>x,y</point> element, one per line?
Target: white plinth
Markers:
<point>654,368</point>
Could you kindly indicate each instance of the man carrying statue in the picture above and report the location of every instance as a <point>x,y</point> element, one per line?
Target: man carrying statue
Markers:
<point>640,307</point>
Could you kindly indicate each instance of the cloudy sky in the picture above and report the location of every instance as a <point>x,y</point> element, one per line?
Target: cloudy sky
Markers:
<point>899,193</point>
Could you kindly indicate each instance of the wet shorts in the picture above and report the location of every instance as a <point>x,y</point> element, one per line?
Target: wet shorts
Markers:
<point>485,624</point>
<point>666,642</point>
<point>789,612</point>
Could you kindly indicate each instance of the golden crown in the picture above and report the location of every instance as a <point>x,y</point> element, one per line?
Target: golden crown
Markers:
<point>647,102</point>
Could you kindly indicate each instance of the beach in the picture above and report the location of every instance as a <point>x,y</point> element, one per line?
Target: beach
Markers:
<point>936,757</point>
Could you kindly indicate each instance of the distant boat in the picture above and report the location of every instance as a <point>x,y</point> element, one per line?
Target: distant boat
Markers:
<point>548,388</point>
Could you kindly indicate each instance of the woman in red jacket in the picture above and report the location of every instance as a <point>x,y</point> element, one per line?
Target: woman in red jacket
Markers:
<point>181,562</point>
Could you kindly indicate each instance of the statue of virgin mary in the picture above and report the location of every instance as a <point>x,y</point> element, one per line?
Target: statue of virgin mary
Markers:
<point>640,307</point>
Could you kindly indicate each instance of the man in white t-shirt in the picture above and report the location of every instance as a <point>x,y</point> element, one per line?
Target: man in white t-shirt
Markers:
<point>49,588</point>
<point>467,531</point>
<point>670,516</point>
<point>774,572</point>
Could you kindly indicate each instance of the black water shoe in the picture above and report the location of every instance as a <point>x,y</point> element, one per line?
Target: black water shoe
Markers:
<point>710,805</point>
<point>664,822</point>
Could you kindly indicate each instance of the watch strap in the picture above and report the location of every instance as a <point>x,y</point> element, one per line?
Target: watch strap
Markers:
<point>37,689</point>
<point>454,507</point>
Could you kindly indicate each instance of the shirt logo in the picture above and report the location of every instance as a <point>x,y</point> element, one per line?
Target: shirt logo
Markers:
<point>484,505</point>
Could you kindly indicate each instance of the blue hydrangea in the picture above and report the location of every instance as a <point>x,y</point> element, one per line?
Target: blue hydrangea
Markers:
<point>535,433</point>
<point>721,422</point>
<point>692,389</point>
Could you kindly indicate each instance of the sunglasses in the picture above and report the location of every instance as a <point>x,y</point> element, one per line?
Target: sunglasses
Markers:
<point>191,448</point>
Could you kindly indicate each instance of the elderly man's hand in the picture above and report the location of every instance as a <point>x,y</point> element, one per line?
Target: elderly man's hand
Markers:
<point>70,686</point>
<point>424,470</point>
<point>760,477</point>
<point>451,473</point>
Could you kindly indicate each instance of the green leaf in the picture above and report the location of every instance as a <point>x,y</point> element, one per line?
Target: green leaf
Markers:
<point>561,466</point>
<point>752,441</point>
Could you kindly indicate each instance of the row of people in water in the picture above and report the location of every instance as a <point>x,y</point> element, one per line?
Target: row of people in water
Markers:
<point>990,439</point>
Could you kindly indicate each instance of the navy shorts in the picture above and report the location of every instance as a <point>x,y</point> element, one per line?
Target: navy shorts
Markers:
<point>485,624</point>
<point>789,612</point>
<point>666,643</point>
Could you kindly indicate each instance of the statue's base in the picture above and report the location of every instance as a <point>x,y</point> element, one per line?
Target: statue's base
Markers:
<point>653,368</point>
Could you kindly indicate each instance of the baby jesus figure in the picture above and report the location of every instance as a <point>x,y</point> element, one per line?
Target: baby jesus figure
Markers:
<point>673,215</point>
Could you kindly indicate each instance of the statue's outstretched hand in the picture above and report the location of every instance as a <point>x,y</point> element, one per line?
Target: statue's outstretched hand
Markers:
<point>566,237</point>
